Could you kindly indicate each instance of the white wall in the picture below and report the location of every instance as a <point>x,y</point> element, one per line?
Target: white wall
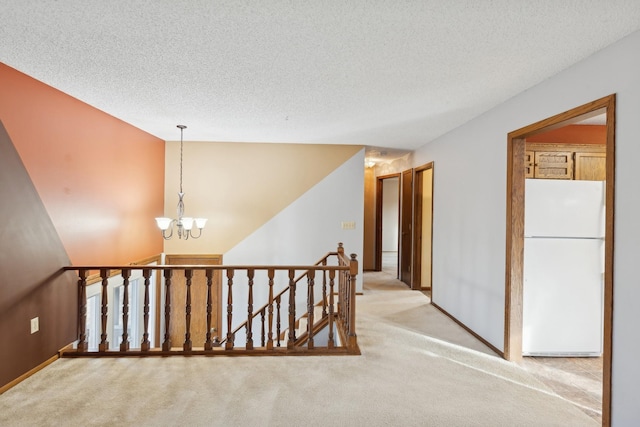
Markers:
<point>311,225</point>
<point>470,206</point>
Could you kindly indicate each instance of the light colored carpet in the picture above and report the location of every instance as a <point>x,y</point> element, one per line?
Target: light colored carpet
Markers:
<point>418,368</point>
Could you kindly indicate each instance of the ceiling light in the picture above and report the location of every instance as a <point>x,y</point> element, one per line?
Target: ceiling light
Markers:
<point>182,223</point>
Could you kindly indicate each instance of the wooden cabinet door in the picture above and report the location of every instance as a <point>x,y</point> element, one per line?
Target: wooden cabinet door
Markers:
<point>198,324</point>
<point>591,166</point>
<point>529,157</point>
<point>553,164</point>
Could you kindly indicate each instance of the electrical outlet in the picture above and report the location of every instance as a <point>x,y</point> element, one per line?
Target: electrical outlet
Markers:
<point>35,325</point>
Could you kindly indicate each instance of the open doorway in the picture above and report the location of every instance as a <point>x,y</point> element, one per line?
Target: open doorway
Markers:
<point>387,223</point>
<point>517,169</point>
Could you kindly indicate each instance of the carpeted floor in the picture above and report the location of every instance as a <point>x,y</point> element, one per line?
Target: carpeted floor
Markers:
<point>418,368</point>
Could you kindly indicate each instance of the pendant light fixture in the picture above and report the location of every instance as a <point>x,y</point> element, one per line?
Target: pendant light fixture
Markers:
<point>182,223</point>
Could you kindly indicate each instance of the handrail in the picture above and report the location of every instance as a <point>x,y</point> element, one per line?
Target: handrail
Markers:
<point>237,280</point>
<point>281,293</point>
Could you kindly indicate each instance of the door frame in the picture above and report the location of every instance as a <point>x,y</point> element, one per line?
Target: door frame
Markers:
<point>379,187</point>
<point>417,226</point>
<point>405,241</point>
<point>515,232</point>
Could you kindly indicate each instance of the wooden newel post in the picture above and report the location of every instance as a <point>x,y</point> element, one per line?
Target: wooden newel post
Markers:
<point>353,273</point>
<point>82,311</point>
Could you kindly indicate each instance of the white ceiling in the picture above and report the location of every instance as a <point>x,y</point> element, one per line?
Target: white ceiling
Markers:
<point>384,73</point>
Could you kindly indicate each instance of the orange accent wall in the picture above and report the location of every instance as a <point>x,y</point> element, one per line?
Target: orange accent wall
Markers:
<point>100,179</point>
<point>573,134</point>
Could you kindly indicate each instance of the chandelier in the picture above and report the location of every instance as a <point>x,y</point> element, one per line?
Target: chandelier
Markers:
<point>182,223</point>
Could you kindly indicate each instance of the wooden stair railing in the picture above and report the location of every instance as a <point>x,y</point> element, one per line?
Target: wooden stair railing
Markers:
<point>338,315</point>
<point>261,311</point>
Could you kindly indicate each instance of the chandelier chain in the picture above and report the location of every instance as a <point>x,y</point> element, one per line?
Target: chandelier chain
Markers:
<point>181,130</point>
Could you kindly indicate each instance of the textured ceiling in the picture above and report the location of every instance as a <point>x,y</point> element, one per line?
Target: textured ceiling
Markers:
<point>384,73</point>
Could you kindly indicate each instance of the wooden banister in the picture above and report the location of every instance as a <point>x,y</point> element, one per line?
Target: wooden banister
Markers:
<point>263,327</point>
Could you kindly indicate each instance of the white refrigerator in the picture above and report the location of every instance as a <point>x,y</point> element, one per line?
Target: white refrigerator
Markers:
<point>563,268</point>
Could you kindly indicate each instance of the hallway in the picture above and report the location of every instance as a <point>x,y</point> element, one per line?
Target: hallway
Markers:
<point>577,379</point>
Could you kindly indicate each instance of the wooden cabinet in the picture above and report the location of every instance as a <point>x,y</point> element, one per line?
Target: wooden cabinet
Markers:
<point>591,166</point>
<point>529,160</point>
<point>553,164</point>
<point>565,161</point>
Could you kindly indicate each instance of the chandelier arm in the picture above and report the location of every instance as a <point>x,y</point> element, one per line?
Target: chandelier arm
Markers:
<point>164,235</point>
<point>194,236</point>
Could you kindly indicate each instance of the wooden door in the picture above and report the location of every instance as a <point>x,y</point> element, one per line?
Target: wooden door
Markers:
<point>198,325</point>
<point>422,226</point>
<point>406,215</point>
<point>591,166</point>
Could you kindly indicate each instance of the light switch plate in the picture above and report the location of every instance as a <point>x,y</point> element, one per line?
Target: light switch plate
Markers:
<point>348,225</point>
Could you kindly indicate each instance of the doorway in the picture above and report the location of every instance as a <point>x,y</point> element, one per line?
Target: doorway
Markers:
<point>516,169</point>
<point>423,227</point>
<point>198,324</point>
<point>387,223</point>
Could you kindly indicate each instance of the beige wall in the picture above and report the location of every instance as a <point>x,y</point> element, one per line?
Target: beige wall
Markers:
<point>369,246</point>
<point>390,214</point>
<point>240,186</point>
<point>427,216</point>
